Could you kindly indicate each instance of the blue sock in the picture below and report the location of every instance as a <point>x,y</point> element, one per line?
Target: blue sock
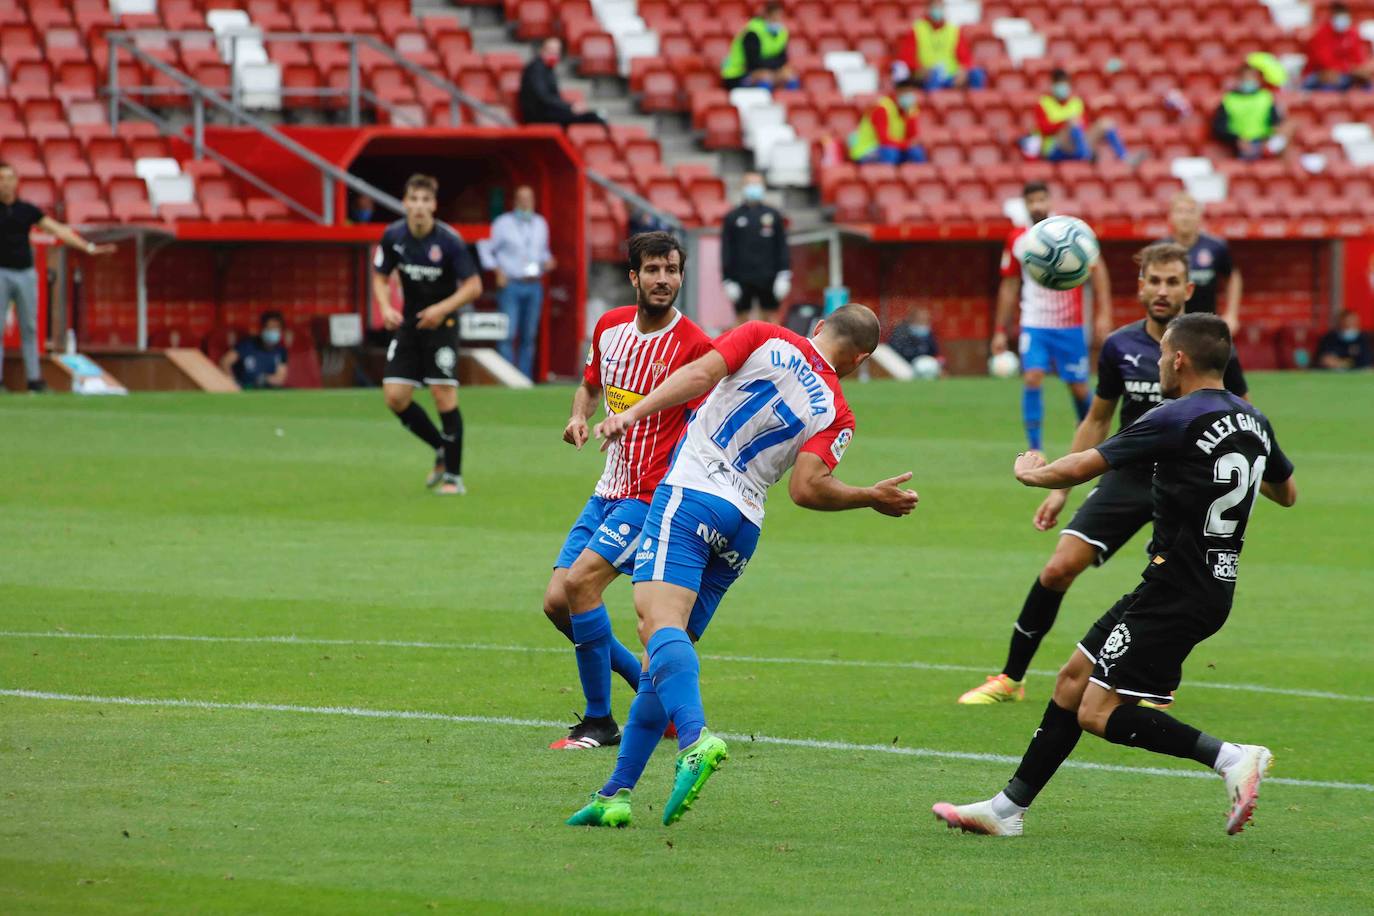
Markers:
<point>1032,413</point>
<point>639,738</point>
<point>793,83</point>
<point>1114,141</point>
<point>1081,405</point>
<point>592,640</point>
<point>625,663</point>
<point>1080,143</point>
<point>676,672</point>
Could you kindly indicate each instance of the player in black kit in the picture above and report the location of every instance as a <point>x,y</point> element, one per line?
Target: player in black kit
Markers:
<point>1119,506</point>
<point>438,277</point>
<point>1213,454</point>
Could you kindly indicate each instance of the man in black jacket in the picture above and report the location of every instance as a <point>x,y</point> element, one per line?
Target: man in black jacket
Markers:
<point>540,100</point>
<point>755,263</point>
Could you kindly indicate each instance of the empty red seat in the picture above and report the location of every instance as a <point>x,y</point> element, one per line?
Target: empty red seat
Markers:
<point>225,208</point>
<point>596,55</point>
<point>172,213</point>
<point>129,200</point>
<point>266,209</point>
<point>86,211</point>
<point>108,169</point>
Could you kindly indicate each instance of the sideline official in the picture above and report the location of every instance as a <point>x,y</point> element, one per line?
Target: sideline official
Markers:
<point>755,263</point>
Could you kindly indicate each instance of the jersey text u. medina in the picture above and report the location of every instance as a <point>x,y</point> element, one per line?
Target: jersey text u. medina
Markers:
<point>815,388</point>
<point>1229,425</point>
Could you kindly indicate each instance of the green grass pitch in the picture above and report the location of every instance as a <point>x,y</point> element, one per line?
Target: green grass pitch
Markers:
<point>303,514</point>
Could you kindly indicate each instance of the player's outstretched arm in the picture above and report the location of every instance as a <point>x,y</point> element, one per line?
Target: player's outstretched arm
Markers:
<point>583,406</point>
<point>1071,470</point>
<point>1092,432</point>
<point>691,381</point>
<point>1285,494</point>
<point>813,486</point>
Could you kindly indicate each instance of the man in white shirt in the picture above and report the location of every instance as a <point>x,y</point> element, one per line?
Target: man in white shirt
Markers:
<point>520,248</point>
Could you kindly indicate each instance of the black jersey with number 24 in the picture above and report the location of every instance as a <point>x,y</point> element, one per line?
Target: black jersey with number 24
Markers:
<point>1211,451</point>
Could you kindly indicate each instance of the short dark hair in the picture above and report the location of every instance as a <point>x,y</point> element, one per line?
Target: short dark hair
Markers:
<point>421,182</point>
<point>772,6</point>
<point>655,245</point>
<point>1034,187</point>
<point>1161,253</point>
<point>270,316</point>
<point>1058,74</point>
<point>856,324</point>
<point>1339,7</point>
<point>910,82</point>
<point>1205,338</point>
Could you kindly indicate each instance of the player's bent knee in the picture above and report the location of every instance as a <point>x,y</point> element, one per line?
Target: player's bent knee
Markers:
<point>397,400</point>
<point>1033,378</point>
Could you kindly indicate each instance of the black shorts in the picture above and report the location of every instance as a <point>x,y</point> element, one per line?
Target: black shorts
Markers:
<point>421,358</point>
<point>751,292</point>
<point>1114,510</point>
<point>1139,646</point>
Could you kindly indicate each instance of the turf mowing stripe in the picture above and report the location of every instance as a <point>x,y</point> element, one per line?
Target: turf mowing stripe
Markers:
<point>747,659</point>
<point>812,743</point>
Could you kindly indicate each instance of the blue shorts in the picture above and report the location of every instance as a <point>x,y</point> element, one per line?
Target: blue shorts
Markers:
<point>697,541</point>
<point>1051,349</point>
<point>610,529</point>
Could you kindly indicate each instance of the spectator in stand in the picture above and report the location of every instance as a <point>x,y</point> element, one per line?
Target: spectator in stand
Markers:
<point>1209,261</point>
<point>364,209</point>
<point>642,221</point>
<point>755,262</point>
<point>540,100</point>
<point>18,278</point>
<point>915,338</point>
<point>758,55</point>
<point>1337,57</point>
<point>1248,119</point>
<point>520,247</point>
<point>259,361</point>
<point>889,131</point>
<point>936,54</point>
<point>1346,347</point>
<point>1064,132</point>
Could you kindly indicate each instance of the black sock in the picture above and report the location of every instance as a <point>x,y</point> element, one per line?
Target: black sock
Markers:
<point>417,421</point>
<point>1037,616</point>
<point>453,440</point>
<point>1136,726</point>
<point>1052,744</point>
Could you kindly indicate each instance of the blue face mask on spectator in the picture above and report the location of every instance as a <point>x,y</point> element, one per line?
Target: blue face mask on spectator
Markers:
<point>1061,91</point>
<point>906,100</point>
<point>774,28</point>
<point>936,14</point>
<point>1340,22</point>
<point>753,192</point>
<point>271,336</point>
<point>1248,86</point>
<point>1350,335</point>
<point>921,330</point>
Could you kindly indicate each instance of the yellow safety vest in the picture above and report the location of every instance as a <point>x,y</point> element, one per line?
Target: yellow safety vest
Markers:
<point>1058,112</point>
<point>1247,113</point>
<point>864,140</point>
<point>937,47</point>
<point>770,45</point>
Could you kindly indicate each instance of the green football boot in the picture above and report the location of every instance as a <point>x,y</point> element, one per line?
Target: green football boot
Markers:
<point>695,764</point>
<point>604,812</point>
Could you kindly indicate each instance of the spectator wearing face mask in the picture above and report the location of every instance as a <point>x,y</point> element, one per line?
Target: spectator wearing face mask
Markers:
<point>1248,119</point>
<point>520,248</point>
<point>364,209</point>
<point>916,338</point>
<point>889,131</point>
<point>1337,57</point>
<point>1346,346</point>
<point>540,100</point>
<point>758,55</point>
<point>1064,131</point>
<point>259,361</point>
<point>755,263</point>
<point>936,54</point>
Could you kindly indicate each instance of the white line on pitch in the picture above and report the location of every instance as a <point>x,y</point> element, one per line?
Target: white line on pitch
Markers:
<point>490,647</point>
<point>813,743</point>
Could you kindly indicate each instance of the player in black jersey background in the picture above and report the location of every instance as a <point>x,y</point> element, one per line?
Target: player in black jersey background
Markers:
<point>1213,454</point>
<point>438,277</point>
<point>1119,505</point>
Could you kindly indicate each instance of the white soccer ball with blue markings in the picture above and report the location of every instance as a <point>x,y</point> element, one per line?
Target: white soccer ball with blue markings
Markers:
<point>1004,364</point>
<point>1059,252</point>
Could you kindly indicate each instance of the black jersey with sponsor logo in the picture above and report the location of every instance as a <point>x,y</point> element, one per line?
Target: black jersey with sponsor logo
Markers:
<point>1209,266</point>
<point>431,268</point>
<point>1210,449</point>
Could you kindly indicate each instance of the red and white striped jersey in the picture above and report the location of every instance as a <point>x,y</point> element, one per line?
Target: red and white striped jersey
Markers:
<point>1041,307</point>
<point>780,398</point>
<point>627,365</point>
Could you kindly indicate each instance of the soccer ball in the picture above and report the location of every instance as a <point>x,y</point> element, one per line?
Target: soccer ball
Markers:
<point>1004,364</point>
<point>1059,252</point>
<point>926,367</point>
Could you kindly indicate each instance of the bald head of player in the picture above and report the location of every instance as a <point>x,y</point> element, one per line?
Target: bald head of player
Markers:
<point>1193,354</point>
<point>657,260</point>
<point>847,337</point>
<point>1163,285</point>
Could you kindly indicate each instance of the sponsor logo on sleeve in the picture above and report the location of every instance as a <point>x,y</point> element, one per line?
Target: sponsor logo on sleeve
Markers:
<point>1223,564</point>
<point>841,443</point>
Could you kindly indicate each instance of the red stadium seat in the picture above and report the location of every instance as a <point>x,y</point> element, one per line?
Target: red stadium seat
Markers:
<point>84,212</point>
<point>129,200</point>
<point>265,209</point>
<point>596,53</point>
<point>226,208</point>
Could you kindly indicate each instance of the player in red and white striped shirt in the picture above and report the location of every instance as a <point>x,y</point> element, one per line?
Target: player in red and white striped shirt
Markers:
<point>1052,333</point>
<point>634,349</point>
